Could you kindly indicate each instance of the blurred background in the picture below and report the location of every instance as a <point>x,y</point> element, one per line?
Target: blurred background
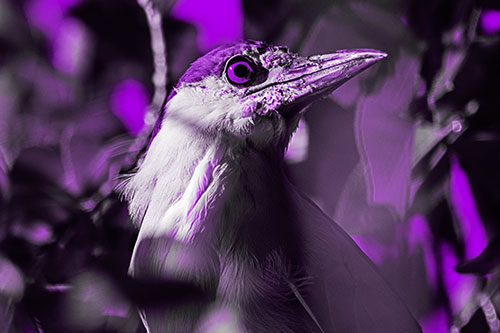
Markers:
<point>405,157</point>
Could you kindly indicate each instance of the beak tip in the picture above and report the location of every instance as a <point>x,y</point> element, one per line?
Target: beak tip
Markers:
<point>383,55</point>
<point>376,55</point>
<point>370,56</point>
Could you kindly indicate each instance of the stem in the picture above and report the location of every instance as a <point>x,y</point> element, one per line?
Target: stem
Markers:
<point>159,49</point>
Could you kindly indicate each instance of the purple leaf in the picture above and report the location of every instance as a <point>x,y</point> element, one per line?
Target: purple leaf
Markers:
<point>128,101</point>
<point>217,21</point>
<point>385,137</point>
<point>490,21</point>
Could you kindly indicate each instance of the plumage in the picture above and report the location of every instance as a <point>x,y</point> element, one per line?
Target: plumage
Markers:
<point>214,206</point>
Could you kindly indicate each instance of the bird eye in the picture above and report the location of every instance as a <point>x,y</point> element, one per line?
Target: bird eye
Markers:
<point>239,70</point>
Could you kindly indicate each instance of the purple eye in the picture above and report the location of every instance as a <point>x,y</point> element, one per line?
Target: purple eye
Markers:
<point>239,70</point>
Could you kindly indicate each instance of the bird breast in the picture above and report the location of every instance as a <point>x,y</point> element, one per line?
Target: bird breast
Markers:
<point>233,222</point>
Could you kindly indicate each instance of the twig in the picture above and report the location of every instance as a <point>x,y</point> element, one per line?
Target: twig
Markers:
<point>159,49</point>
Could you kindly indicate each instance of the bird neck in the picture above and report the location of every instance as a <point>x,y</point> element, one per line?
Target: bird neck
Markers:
<point>257,212</point>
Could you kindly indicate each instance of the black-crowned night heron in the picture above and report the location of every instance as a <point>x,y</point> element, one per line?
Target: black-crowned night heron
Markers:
<point>214,205</point>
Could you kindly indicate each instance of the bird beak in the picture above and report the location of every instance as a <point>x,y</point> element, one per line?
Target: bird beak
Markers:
<point>327,72</point>
<point>313,77</point>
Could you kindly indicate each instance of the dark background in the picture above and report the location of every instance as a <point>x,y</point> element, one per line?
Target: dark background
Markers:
<point>405,157</point>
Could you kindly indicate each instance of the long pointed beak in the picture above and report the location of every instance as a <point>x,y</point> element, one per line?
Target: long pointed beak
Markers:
<point>324,73</point>
<point>310,78</point>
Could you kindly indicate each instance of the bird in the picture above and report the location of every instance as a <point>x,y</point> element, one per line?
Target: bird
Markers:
<point>214,206</point>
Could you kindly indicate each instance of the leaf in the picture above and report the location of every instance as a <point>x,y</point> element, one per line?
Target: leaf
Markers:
<point>385,137</point>
<point>486,262</point>
<point>12,281</point>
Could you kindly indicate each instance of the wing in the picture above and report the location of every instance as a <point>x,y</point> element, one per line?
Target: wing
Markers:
<point>347,293</point>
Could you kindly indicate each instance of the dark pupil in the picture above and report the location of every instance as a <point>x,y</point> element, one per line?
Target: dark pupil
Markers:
<point>241,71</point>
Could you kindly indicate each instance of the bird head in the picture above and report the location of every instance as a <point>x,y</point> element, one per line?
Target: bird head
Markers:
<point>241,97</point>
<point>256,93</point>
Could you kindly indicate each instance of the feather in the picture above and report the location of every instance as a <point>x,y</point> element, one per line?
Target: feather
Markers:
<point>347,293</point>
